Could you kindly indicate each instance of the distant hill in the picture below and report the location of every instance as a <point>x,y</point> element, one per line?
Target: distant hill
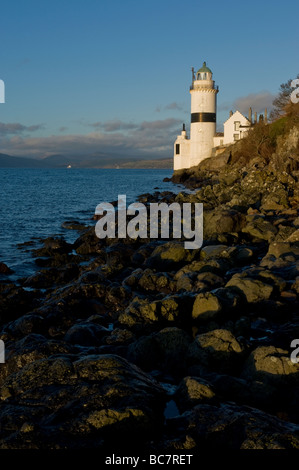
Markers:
<point>7,161</point>
<point>93,161</point>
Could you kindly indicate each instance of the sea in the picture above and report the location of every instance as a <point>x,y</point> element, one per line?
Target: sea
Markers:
<point>36,203</point>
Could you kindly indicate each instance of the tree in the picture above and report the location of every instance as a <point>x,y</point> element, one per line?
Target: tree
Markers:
<point>282,104</point>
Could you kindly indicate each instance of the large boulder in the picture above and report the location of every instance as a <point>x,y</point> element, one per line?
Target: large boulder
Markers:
<point>170,256</point>
<point>217,350</point>
<point>254,290</point>
<point>94,401</point>
<point>228,427</point>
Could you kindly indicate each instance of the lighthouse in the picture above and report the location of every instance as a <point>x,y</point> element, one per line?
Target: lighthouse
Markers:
<point>189,152</point>
<point>203,115</point>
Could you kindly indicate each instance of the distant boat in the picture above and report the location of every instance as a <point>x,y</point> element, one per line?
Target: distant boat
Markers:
<point>69,166</point>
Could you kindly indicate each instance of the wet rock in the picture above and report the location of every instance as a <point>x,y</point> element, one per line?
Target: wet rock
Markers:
<point>74,225</point>
<point>51,277</point>
<point>25,325</point>
<point>4,269</point>
<point>88,243</point>
<point>53,246</point>
<point>15,302</point>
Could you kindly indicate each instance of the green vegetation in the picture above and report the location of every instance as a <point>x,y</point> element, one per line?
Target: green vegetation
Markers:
<point>263,138</point>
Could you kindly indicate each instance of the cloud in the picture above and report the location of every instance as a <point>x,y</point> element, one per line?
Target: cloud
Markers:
<point>169,107</point>
<point>16,128</point>
<point>114,125</point>
<point>174,105</point>
<point>160,124</point>
<point>257,101</point>
<point>148,139</point>
<point>62,129</point>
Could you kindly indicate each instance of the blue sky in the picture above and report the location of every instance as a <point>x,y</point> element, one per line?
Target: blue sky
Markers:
<point>88,76</point>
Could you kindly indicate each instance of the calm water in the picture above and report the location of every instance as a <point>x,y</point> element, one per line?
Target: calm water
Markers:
<point>34,203</point>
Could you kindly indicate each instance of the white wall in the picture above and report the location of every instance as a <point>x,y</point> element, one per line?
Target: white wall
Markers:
<point>232,131</point>
<point>181,160</point>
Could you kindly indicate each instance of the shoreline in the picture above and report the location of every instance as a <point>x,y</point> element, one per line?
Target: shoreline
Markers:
<point>215,324</point>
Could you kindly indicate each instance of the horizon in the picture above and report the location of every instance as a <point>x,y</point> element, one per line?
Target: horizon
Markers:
<point>90,78</point>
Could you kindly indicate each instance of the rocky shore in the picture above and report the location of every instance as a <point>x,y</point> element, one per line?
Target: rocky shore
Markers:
<point>144,343</point>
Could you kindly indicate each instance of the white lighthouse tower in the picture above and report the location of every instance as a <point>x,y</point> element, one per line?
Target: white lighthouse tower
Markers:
<point>203,122</point>
<point>203,115</point>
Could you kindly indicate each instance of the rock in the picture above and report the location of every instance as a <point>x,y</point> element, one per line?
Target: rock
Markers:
<point>74,225</point>
<point>25,325</point>
<point>273,380</point>
<point>53,246</point>
<point>156,282</point>
<point>86,334</point>
<point>4,269</point>
<point>94,400</point>
<point>217,350</point>
<point>229,427</point>
<point>260,229</point>
<point>29,349</point>
<point>193,391</point>
<point>88,243</point>
<point>206,307</point>
<point>254,290</point>
<point>143,315</point>
<point>221,221</point>
<point>231,388</point>
<point>15,302</point>
<point>165,350</point>
<point>170,256</point>
<point>294,237</point>
<point>272,365</point>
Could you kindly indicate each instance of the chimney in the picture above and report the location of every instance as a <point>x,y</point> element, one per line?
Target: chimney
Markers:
<point>250,115</point>
<point>266,116</point>
<point>255,117</point>
<point>230,114</point>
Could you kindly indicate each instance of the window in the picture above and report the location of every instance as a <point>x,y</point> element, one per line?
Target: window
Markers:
<point>236,137</point>
<point>177,149</point>
<point>237,125</point>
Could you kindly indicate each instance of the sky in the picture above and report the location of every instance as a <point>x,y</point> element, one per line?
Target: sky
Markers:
<point>84,77</point>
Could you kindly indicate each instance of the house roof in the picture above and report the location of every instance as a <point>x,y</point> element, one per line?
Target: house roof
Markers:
<point>234,116</point>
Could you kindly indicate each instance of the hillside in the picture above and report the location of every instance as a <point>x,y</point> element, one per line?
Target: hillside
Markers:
<point>94,161</point>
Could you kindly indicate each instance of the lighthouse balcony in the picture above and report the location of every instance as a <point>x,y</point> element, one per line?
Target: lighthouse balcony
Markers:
<point>200,85</point>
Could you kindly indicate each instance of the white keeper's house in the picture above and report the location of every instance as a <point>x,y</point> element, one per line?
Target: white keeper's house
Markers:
<point>203,139</point>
